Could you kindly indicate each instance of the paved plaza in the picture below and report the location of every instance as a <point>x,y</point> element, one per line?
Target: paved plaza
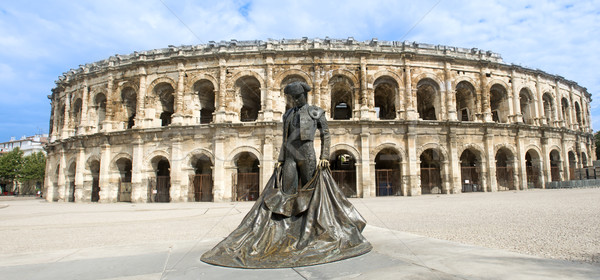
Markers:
<point>536,234</point>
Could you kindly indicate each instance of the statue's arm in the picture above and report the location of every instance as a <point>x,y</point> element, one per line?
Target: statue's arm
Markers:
<point>325,136</point>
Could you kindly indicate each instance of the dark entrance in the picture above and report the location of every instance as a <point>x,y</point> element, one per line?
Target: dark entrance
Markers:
<point>387,173</point>
<point>124,166</point>
<point>431,179</point>
<point>470,172</point>
<point>555,165</point>
<point>504,170</point>
<point>246,181</point>
<point>95,169</point>
<point>343,170</point>
<point>572,165</point>
<point>202,179</point>
<point>163,181</point>
<point>71,182</point>
<point>532,162</point>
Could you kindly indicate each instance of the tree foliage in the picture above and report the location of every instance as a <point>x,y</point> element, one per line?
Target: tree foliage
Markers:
<point>10,164</point>
<point>33,167</point>
<point>597,136</point>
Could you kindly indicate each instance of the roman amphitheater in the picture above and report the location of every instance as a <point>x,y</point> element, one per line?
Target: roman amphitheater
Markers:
<point>203,123</point>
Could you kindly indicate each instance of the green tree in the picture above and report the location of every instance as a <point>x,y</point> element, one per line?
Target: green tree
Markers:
<point>33,168</point>
<point>10,165</point>
<point>597,136</point>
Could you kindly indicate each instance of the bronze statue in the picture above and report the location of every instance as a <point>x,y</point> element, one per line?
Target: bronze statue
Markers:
<point>302,217</point>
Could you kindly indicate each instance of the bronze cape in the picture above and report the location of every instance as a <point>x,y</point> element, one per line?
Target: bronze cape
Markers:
<point>316,225</point>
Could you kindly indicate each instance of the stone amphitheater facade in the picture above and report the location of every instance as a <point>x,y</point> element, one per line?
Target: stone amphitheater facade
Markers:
<point>203,123</point>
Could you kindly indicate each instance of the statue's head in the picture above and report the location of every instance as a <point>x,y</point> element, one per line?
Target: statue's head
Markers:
<point>298,91</point>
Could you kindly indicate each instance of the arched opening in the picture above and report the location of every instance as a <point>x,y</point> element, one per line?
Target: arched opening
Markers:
<point>388,174</point>
<point>578,114</point>
<point>125,167</point>
<point>160,191</point>
<point>465,101</point>
<point>246,181</point>
<point>129,98</point>
<point>499,104</point>
<point>206,96</point>
<point>549,112</point>
<point>94,168</point>
<point>572,165</point>
<point>248,89</point>
<point>164,92</point>
<point>202,178</point>
<point>526,106</point>
<point>428,103</point>
<point>71,182</point>
<point>555,165</point>
<point>286,81</point>
<point>343,170</point>
<point>532,168</point>
<point>100,106</point>
<point>431,176</point>
<point>470,170</point>
<point>60,120</point>
<point>504,170</point>
<point>584,159</point>
<point>77,113</point>
<point>342,98</point>
<point>386,90</point>
<point>564,105</point>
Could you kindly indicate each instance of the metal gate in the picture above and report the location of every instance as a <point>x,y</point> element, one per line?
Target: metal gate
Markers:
<point>533,177</point>
<point>470,179</point>
<point>203,187</point>
<point>571,173</point>
<point>125,190</point>
<point>163,185</point>
<point>346,181</point>
<point>388,182</point>
<point>95,189</point>
<point>504,178</point>
<point>245,186</point>
<point>431,180</point>
<point>555,173</point>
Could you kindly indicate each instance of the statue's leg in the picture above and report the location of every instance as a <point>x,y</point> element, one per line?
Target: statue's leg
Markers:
<point>306,169</point>
<point>290,177</point>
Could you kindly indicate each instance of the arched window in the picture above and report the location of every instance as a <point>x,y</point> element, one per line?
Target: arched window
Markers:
<point>248,89</point>
<point>286,81</point>
<point>129,99</point>
<point>100,106</point>
<point>386,90</point>
<point>342,97</point>
<point>504,170</point>
<point>428,100</point>
<point>470,167</point>
<point>549,112</point>
<point>526,102</point>
<point>206,97</point>
<point>564,104</point>
<point>578,114</point>
<point>465,101</point>
<point>499,104</point>
<point>164,92</point>
<point>431,176</point>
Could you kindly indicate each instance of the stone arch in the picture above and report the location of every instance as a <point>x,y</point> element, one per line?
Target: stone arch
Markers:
<point>429,105</point>
<point>343,93</point>
<point>549,103</point>
<point>245,73</point>
<point>199,152</point>
<point>196,77</point>
<point>578,116</point>
<point>466,100</point>
<point>388,163</point>
<point>385,95</point>
<point>387,145</point>
<point>434,146</point>
<point>280,77</point>
<point>121,155</point>
<point>288,77</point>
<point>232,156</point>
<point>527,103</point>
<point>386,72</point>
<point>148,165</point>
<point>505,161</point>
<point>341,146</point>
<point>204,97</point>
<point>161,80</point>
<point>429,76</point>
<point>128,96</point>
<point>511,148</point>
<point>248,98</point>
<point>565,107</point>
<point>128,83</point>
<point>499,101</point>
<point>474,147</point>
<point>340,72</point>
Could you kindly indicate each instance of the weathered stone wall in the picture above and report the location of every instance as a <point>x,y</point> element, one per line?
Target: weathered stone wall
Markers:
<point>119,120</point>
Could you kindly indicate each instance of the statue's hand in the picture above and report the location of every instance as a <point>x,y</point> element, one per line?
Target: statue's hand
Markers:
<point>324,163</point>
<point>278,164</point>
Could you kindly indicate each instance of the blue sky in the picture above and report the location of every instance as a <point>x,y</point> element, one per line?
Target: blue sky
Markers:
<point>39,40</point>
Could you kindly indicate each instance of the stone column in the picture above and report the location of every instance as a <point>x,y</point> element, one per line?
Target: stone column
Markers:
<point>176,165</point>
<point>516,98</point>
<point>220,191</point>
<point>138,191</point>
<point>83,124</point>
<point>564,157</point>
<point>268,90</point>
<point>546,167</point>
<point>542,118</point>
<point>178,114</point>
<point>267,160</point>
<point>365,189</point>
<point>411,113</point>
<point>61,182</point>
<point>56,131</point>
<point>105,188</point>
<point>140,114</point>
<point>67,118</point>
<point>49,187</point>
<point>364,97</point>
<point>106,124</point>
<point>221,114</point>
<point>485,96</point>
<point>521,168</point>
<point>455,171</point>
<point>451,104</point>
<point>80,166</point>
<point>491,159</point>
<point>413,158</point>
<point>572,113</point>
